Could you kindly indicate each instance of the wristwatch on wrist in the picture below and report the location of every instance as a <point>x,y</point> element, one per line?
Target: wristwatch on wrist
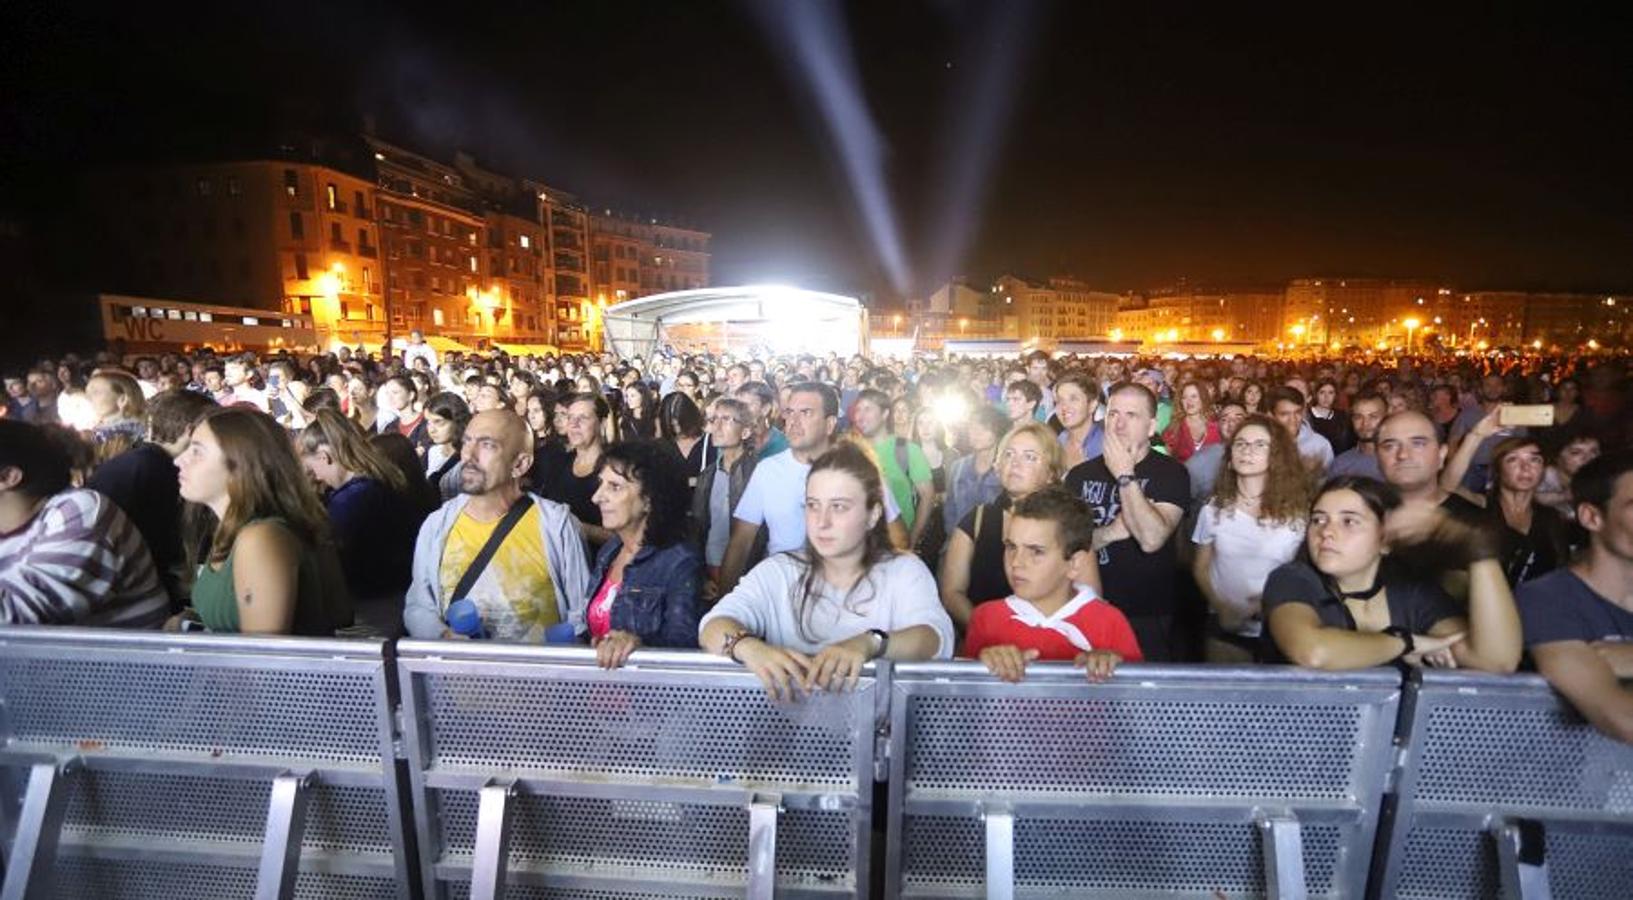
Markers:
<point>728,649</point>
<point>881,641</point>
<point>1124,481</point>
<point>1405,634</point>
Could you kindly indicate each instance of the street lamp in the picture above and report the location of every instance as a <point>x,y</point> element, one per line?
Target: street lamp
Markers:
<point>1411,326</point>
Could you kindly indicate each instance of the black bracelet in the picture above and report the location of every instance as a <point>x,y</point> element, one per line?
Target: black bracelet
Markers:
<point>1405,635</point>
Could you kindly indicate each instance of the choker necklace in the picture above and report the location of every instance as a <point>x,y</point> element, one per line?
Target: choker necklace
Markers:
<point>1368,594</point>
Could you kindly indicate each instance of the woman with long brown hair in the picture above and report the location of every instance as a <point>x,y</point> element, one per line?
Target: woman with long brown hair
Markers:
<point>372,516</point>
<point>271,568</point>
<point>1253,523</point>
<point>810,619</point>
<point>1195,427</point>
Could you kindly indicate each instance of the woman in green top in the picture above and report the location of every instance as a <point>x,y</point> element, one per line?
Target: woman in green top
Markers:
<point>271,567</point>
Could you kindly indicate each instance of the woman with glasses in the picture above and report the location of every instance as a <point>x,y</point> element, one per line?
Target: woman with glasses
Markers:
<point>972,567</point>
<point>731,430</point>
<point>1253,523</point>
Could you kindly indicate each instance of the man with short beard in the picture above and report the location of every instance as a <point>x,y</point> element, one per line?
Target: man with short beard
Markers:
<point>1366,414</point>
<point>537,577</point>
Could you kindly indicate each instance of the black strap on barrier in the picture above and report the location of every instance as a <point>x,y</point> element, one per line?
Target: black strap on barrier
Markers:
<point>1533,842</point>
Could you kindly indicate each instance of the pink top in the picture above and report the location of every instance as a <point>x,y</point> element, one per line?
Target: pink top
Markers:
<point>599,615</point>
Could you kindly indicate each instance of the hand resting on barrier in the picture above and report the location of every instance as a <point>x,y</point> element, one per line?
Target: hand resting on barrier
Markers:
<point>812,619</point>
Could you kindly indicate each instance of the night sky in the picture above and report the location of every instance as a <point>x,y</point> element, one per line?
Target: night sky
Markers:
<point>1128,146</point>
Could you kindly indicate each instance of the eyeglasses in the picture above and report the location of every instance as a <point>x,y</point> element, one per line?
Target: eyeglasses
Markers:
<point>1255,446</point>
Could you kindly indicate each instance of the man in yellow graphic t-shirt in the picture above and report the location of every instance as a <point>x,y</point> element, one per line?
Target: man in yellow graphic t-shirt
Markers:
<point>538,575</point>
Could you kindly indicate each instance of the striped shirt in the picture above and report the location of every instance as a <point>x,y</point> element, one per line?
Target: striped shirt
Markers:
<point>79,561</point>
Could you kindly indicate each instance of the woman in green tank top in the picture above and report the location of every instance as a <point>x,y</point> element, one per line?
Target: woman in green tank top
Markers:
<point>271,568</point>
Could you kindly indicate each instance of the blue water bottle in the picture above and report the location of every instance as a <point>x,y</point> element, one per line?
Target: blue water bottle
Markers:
<point>464,618</point>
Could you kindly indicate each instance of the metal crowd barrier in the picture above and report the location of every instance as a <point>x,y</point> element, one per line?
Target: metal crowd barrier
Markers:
<point>163,767</point>
<point>153,767</point>
<point>1164,780</point>
<point>536,774</point>
<point>1505,791</point>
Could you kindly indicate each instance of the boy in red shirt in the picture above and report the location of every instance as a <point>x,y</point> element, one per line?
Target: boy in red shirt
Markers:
<point>1054,614</point>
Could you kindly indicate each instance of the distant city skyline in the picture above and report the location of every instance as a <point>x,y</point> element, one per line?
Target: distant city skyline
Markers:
<point>1130,146</point>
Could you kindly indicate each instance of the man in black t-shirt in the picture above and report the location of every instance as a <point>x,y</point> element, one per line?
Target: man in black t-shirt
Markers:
<point>1411,456</point>
<point>1579,620</point>
<point>1137,498</point>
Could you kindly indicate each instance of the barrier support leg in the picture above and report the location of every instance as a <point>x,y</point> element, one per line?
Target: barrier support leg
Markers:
<point>1522,862</point>
<point>492,853</point>
<point>29,871</point>
<point>763,811</point>
<point>1000,827</point>
<point>1283,845</point>
<point>285,826</point>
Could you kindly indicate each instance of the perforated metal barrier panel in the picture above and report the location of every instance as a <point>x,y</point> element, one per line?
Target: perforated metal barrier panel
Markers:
<point>646,781</point>
<point>1488,751</point>
<point>1164,780</point>
<point>141,765</point>
<point>176,767</point>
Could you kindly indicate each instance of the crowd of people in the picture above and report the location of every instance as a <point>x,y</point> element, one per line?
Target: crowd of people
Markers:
<point>803,515</point>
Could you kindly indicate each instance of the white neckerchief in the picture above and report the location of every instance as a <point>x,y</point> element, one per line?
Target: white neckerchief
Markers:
<point>1027,614</point>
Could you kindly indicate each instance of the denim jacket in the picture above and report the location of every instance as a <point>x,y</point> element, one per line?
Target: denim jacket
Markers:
<point>657,600</point>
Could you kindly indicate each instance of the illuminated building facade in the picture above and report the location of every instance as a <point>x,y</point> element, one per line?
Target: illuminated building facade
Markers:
<point>374,241</point>
<point>259,234</point>
<point>1056,309</point>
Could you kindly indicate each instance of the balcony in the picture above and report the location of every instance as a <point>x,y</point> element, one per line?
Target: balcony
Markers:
<point>338,207</point>
<point>368,250</point>
<point>340,246</point>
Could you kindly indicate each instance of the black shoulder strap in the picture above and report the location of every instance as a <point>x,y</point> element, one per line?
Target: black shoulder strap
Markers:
<point>442,470</point>
<point>500,531</point>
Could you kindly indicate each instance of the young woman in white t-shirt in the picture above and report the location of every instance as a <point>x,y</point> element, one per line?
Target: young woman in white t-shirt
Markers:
<point>811,619</point>
<point>1254,522</point>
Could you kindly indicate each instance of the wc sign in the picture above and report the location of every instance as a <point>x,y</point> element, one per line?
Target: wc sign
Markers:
<point>143,329</point>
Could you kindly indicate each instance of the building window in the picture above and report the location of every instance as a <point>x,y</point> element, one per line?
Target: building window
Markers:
<point>204,187</point>
<point>291,186</point>
<point>334,233</point>
<point>526,242</point>
<point>473,265</point>
<point>300,266</point>
<point>368,280</point>
<point>332,195</point>
<point>436,317</point>
<point>234,188</point>
<point>297,229</point>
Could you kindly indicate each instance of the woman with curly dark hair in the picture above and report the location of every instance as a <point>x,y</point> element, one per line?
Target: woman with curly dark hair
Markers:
<point>1253,523</point>
<point>646,575</point>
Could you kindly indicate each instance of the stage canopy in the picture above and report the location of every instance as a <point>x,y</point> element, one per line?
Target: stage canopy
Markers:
<point>737,320</point>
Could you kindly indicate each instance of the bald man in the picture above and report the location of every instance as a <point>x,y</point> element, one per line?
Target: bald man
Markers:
<point>1411,456</point>
<point>535,576</point>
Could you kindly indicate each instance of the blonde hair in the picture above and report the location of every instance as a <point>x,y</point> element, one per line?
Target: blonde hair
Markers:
<point>128,389</point>
<point>1053,456</point>
<point>351,449</point>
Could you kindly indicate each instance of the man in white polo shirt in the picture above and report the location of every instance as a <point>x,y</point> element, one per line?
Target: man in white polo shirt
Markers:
<point>775,494</point>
